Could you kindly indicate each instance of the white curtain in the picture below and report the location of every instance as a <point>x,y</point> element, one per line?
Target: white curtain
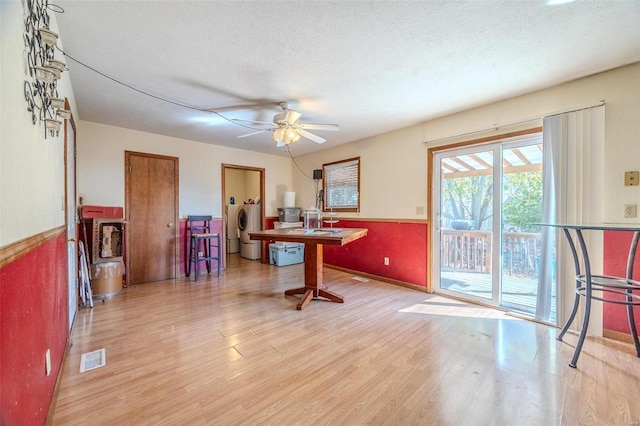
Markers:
<point>573,193</point>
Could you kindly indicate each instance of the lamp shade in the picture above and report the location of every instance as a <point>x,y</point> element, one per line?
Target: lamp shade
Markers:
<point>48,37</point>
<point>278,134</point>
<point>290,135</point>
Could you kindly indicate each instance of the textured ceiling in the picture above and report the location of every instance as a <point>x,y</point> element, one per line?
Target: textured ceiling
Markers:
<point>369,66</point>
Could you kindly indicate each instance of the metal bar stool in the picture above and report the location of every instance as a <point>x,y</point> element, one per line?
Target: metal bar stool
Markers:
<point>199,233</point>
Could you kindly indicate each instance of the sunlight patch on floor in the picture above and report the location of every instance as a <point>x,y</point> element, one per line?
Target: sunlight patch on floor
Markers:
<point>361,279</point>
<point>437,305</point>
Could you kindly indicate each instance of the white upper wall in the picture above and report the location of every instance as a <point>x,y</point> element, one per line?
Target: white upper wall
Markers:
<point>101,171</point>
<point>394,165</point>
<point>32,167</point>
<point>392,174</point>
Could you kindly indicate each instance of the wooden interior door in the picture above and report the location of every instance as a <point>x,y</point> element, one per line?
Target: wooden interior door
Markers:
<point>151,205</point>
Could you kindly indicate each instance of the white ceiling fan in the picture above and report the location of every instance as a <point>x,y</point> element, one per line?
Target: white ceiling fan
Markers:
<point>287,129</point>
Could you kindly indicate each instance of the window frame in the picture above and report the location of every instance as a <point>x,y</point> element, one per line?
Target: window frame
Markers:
<point>345,209</point>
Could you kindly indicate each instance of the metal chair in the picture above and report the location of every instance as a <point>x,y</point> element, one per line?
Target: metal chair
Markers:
<point>199,234</point>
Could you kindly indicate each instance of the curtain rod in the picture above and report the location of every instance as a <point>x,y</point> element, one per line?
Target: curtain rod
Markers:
<point>512,123</point>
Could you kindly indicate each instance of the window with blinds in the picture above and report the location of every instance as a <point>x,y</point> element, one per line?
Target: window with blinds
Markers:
<point>341,185</point>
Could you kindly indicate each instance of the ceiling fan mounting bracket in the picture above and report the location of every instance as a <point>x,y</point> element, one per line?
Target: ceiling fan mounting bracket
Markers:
<point>279,120</point>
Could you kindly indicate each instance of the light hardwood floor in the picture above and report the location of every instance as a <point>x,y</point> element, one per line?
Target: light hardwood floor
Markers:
<point>234,350</point>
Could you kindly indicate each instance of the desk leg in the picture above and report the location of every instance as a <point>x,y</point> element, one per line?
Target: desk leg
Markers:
<point>313,263</point>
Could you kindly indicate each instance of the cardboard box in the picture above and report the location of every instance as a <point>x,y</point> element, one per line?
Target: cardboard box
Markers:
<point>88,212</point>
<point>106,278</point>
<point>285,225</point>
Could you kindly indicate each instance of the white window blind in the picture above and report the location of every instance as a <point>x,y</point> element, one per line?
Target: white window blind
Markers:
<point>342,185</point>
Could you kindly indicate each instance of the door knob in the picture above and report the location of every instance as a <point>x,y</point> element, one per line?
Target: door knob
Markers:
<point>170,225</point>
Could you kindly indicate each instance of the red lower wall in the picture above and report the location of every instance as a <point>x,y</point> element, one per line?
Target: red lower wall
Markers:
<point>616,250</point>
<point>404,243</point>
<point>33,318</point>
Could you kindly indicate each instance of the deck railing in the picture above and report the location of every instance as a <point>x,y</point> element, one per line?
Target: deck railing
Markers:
<point>471,251</point>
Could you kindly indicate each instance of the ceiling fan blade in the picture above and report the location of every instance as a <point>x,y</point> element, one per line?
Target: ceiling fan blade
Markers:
<point>252,133</point>
<point>251,121</point>
<point>315,126</point>
<point>291,116</point>
<point>311,136</point>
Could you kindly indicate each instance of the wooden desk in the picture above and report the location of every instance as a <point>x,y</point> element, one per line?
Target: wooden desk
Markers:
<point>313,245</point>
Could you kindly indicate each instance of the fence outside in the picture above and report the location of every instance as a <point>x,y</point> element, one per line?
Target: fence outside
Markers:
<point>471,251</point>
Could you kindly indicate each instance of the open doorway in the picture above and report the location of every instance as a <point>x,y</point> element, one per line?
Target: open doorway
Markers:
<point>242,185</point>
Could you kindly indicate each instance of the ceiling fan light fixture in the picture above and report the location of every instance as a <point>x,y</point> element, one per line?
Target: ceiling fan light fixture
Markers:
<point>278,134</point>
<point>286,129</point>
<point>290,135</point>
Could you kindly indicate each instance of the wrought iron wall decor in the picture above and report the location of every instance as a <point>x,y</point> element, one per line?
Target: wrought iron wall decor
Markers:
<point>41,92</point>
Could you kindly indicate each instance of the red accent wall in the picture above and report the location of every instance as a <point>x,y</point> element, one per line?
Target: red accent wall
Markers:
<point>616,252</point>
<point>269,222</point>
<point>33,318</point>
<point>404,243</point>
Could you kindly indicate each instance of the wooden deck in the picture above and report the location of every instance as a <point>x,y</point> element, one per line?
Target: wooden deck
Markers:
<point>518,293</point>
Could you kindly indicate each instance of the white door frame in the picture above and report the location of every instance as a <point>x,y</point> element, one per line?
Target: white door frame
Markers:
<point>495,221</point>
<point>71,214</point>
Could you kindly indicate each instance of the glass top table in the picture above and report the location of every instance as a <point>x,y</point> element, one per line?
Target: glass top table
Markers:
<point>603,285</point>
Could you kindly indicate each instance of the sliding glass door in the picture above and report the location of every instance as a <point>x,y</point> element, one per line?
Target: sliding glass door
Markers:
<point>467,222</point>
<point>487,202</point>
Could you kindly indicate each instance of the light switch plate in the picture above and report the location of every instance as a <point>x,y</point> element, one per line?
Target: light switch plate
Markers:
<point>631,178</point>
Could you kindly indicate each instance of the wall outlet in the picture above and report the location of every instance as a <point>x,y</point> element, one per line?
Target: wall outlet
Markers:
<point>47,362</point>
<point>420,210</point>
<point>630,210</point>
<point>386,261</point>
<point>631,178</point>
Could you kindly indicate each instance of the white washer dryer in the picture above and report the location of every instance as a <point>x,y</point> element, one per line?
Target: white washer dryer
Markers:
<point>233,232</point>
<point>249,221</point>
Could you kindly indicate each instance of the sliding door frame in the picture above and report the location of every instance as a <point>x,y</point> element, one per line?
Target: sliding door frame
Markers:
<point>431,170</point>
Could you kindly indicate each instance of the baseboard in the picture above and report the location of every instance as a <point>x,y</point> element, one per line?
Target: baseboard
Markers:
<point>617,335</point>
<point>56,388</point>
<point>378,278</point>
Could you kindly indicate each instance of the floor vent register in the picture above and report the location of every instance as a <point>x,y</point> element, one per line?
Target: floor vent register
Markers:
<point>92,360</point>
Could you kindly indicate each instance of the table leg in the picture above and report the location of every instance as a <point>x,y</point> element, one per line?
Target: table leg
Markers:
<point>308,295</point>
<point>629,275</point>
<point>313,287</point>
<point>576,302</point>
<point>588,292</point>
<point>334,297</point>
